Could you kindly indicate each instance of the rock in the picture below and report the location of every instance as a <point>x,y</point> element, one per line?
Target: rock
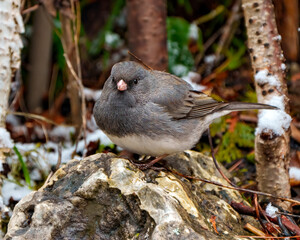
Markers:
<point>106,197</point>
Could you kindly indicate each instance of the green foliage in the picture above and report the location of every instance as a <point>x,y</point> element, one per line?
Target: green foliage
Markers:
<point>180,58</point>
<point>23,166</point>
<point>235,56</point>
<point>241,137</point>
<point>218,126</point>
<point>250,95</point>
<point>211,15</point>
<point>102,147</point>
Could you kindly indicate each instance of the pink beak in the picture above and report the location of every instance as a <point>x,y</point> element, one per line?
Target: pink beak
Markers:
<point>121,85</point>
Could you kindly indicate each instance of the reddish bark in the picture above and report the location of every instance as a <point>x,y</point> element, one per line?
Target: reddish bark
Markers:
<point>147,33</point>
<point>287,18</point>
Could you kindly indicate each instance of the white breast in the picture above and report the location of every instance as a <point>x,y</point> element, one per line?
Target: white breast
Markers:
<point>152,147</point>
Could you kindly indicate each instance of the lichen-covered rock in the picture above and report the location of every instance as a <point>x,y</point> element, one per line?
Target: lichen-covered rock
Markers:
<point>106,197</point>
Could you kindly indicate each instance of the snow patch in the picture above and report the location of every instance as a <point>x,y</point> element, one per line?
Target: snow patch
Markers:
<point>13,190</point>
<point>271,210</point>
<point>13,119</point>
<point>193,31</point>
<point>277,38</point>
<point>111,38</point>
<point>47,154</point>
<point>210,59</point>
<point>276,121</point>
<point>189,79</point>
<point>179,69</point>
<point>5,139</point>
<point>264,77</point>
<point>283,66</point>
<point>294,173</point>
<point>91,94</point>
<point>62,133</point>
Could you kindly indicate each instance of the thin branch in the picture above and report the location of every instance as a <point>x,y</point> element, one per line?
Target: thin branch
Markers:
<point>258,213</point>
<point>215,161</point>
<point>30,9</point>
<point>76,31</point>
<point>140,60</point>
<point>83,106</point>
<point>239,189</point>
<point>254,230</point>
<point>260,237</point>
<point>59,150</point>
<point>37,117</point>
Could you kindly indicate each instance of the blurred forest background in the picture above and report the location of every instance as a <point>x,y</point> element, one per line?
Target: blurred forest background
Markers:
<point>207,46</point>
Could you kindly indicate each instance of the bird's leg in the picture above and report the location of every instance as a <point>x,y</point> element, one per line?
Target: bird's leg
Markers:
<point>144,166</point>
<point>126,154</point>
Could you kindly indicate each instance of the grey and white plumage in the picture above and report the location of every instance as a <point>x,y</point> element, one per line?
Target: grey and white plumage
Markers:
<point>156,113</point>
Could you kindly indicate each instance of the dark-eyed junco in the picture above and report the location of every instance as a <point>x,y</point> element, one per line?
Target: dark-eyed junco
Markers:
<point>156,113</point>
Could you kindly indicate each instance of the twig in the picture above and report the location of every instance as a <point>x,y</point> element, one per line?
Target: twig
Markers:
<point>254,230</point>
<point>243,209</point>
<point>30,9</point>
<point>59,157</point>
<point>234,166</point>
<point>76,30</point>
<point>229,28</point>
<point>258,214</point>
<point>289,214</point>
<point>206,45</point>
<point>267,218</point>
<point>83,106</point>
<point>282,227</point>
<point>45,132</point>
<point>268,237</point>
<point>211,15</point>
<point>239,189</point>
<point>38,117</point>
<point>140,60</point>
<point>215,161</point>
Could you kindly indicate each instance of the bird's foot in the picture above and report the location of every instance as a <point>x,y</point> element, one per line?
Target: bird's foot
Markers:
<point>149,165</point>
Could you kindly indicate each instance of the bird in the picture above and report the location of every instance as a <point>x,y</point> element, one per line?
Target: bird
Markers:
<point>155,113</point>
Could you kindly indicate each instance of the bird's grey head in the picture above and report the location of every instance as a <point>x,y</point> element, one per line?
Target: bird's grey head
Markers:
<point>129,77</point>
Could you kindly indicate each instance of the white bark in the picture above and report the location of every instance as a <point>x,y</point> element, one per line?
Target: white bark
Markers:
<point>272,134</point>
<point>10,45</point>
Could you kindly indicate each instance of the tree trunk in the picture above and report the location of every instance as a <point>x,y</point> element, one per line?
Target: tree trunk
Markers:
<point>40,56</point>
<point>10,46</point>
<point>147,34</point>
<point>272,134</point>
<point>287,18</point>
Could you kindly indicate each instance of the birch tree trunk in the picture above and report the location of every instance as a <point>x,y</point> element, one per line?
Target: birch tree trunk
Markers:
<point>10,45</point>
<point>272,133</point>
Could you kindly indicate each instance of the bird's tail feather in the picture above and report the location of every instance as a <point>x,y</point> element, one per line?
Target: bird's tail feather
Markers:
<point>241,106</point>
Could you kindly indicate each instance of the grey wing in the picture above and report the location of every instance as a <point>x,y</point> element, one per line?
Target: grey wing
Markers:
<point>172,94</point>
<point>203,105</point>
<point>179,101</point>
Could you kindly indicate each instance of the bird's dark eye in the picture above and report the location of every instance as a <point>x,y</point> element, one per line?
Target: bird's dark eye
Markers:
<point>135,81</point>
